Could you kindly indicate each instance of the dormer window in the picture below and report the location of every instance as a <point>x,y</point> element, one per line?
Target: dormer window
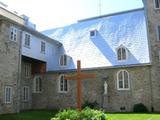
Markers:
<point>63,60</point>
<point>121,54</point>
<point>156,4</point>
<point>93,33</point>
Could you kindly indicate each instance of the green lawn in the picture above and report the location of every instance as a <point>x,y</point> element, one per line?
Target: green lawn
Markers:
<point>128,116</point>
<point>30,115</point>
<point>47,115</point>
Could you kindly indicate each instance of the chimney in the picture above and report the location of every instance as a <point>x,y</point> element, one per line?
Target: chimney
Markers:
<point>26,18</point>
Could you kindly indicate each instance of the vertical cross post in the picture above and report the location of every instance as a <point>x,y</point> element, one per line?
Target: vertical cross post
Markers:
<point>78,77</point>
<point>79,85</point>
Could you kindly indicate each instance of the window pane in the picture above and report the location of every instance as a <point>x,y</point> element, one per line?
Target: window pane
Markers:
<point>123,54</point>
<point>126,78</point>
<point>120,84</point>
<point>157,3</point>
<point>119,54</point>
<point>40,84</point>
<point>8,94</point>
<point>61,60</point>
<point>27,39</point>
<point>37,84</point>
<point>120,78</point>
<point>42,47</point>
<point>65,60</point>
<point>65,85</point>
<point>61,83</point>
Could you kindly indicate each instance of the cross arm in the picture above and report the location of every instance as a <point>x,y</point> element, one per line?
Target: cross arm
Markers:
<point>84,76</point>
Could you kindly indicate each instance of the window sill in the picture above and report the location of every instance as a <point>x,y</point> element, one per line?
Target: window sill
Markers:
<point>13,40</point>
<point>122,60</point>
<point>37,92</point>
<point>123,89</point>
<point>43,52</point>
<point>63,92</point>
<point>63,66</point>
<point>7,102</point>
<point>156,8</point>
<point>27,46</point>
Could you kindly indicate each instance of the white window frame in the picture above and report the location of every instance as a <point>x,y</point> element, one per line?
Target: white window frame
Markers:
<point>8,99</point>
<point>43,47</point>
<point>37,84</point>
<point>62,57</point>
<point>123,88</point>
<point>126,51</point>
<point>62,85</point>
<point>27,70</point>
<point>27,40</point>
<point>154,2</point>
<point>95,33</point>
<point>13,33</point>
<point>25,94</point>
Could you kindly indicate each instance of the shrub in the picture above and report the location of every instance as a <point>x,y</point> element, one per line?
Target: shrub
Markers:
<point>90,104</point>
<point>140,108</point>
<point>85,114</point>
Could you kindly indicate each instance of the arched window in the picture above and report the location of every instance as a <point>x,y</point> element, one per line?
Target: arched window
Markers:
<point>37,84</point>
<point>121,53</point>
<point>123,80</point>
<point>63,60</point>
<point>63,84</point>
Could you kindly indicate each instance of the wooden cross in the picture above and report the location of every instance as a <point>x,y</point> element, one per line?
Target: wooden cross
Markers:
<point>78,77</point>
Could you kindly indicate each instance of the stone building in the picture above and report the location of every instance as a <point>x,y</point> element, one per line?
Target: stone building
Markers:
<point>122,49</point>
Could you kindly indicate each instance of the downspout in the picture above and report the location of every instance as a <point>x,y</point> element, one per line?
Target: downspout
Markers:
<point>19,73</point>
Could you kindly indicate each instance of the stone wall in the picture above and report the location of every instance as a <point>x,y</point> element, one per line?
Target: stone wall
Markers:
<point>92,90</point>
<point>153,19</point>
<point>28,82</point>
<point>9,67</point>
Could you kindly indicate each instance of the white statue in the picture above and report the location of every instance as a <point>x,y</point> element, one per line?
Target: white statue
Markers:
<point>105,88</point>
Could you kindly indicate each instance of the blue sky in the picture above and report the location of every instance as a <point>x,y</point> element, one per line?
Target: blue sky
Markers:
<point>55,13</point>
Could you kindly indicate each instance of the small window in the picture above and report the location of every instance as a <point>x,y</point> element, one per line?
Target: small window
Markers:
<point>37,84</point>
<point>123,80</point>
<point>8,94</point>
<point>93,33</point>
<point>156,4</point>
<point>13,33</point>
<point>27,70</point>
<point>43,47</point>
<point>63,60</point>
<point>63,84</point>
<point>121,54</point>
<point>25,93</point>
<point>27,40</point>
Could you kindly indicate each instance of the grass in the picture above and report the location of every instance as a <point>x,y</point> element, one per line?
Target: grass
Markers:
<point>48,114</point>
<point>132,116</point>
<point>30,115</point>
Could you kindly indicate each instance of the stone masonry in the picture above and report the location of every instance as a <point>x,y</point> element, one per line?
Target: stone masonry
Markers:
<point>92,90</point>
<point>9,68</point>
<point>153,20</point>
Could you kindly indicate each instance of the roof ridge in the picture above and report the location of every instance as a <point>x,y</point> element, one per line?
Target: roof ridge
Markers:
<point>112,14</point>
